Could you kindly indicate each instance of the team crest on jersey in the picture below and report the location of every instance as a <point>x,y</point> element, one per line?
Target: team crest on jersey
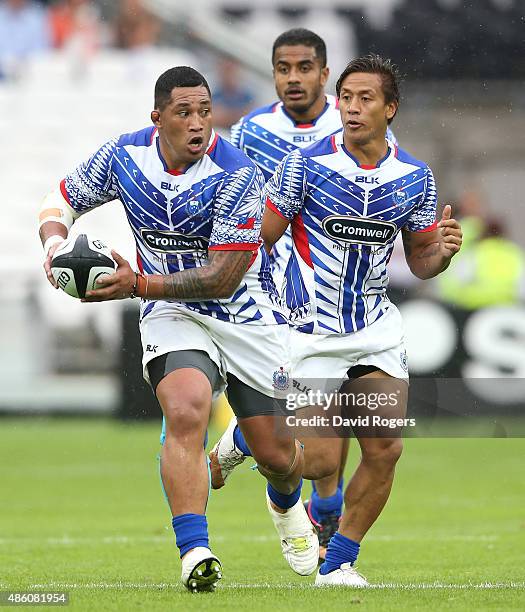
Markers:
<point>399,197</point>
<point>194,208</point>
<point>281,379</point>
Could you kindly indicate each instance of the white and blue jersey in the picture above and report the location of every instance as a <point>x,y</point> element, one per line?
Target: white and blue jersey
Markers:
<point>177,217</point>
<point>344,219</point>
<point>267,135</point>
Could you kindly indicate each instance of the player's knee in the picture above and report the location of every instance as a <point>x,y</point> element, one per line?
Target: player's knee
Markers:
<point>387,452</point>
<point>277,461</point>
<point>393,451</point>
<point>185,415</point>
<point>277,465</point>
<point>320,466</point>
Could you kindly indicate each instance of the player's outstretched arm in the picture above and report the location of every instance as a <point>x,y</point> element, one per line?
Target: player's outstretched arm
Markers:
<point>429,253</point>
<point>217,280</point>
<point>273,227</point>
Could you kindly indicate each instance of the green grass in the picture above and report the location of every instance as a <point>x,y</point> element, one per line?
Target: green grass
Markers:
<point>81,510</point>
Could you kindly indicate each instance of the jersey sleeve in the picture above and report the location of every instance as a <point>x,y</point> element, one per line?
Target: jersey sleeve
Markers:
<point>286,190</point>
<point>238,209</point>
<point>236,133</point>
<point>92,183</point>
<point>423,219</point>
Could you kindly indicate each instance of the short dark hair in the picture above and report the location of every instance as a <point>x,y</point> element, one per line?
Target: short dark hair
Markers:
<point>180,76</point>
<point>301,36</point>
<point>375,64</point>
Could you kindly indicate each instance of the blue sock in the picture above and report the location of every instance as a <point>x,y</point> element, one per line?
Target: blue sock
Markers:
<point>281,499</point>
<point>191,530</point>
<point>323,507</point>
<point>240,442</point>
<point>340,550</point>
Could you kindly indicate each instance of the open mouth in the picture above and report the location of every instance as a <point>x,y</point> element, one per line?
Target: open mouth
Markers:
<point>195,144</point>
<point>354,125</point>
<point>294,93</point>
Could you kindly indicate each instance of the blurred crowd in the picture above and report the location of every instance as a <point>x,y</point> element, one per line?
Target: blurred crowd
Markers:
<point>427,38</point>
<point>28,27</point>
<point>79,27</point>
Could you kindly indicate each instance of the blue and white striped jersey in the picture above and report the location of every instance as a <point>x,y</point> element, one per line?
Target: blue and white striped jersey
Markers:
<point>345,218</point>
<point>177,217</point>
<point>268,134</point>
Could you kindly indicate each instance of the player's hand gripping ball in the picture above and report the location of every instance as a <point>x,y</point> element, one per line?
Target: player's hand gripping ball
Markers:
<point>78,262</point>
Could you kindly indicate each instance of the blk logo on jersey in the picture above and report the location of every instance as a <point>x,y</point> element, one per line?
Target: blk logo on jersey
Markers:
<point>168,186</point>
<point>173,242</point>
<point>369,180</point>
<point>304,138</point>
<point>357,230</point>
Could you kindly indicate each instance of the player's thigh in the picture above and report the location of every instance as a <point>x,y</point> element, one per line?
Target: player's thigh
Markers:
<point>165,329</point>
<point>322,442</point>
<point>184,380</point>
<point>262,421</point>
<point>173,341</point>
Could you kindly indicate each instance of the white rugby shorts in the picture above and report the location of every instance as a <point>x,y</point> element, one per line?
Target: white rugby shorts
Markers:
<point>326,359</point>
<point>258,355</point>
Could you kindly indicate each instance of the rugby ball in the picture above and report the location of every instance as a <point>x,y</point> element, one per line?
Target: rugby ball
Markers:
<point>79,262</point>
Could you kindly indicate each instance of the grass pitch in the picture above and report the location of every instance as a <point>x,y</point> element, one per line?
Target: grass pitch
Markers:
<point>81,511</point>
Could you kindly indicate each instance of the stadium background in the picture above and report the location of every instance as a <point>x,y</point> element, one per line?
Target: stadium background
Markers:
<point>89,75</point>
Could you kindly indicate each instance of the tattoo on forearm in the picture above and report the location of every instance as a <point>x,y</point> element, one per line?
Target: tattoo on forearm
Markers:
<point>183,284</point>
<point>218,279</point>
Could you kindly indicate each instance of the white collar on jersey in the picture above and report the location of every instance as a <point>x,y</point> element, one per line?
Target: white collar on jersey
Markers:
<point>211,140</point>
<point>330,102</point>
<point>339,145</point>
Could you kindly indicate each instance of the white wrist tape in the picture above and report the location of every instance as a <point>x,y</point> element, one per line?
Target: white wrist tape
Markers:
<point>51,241</point>
<point>56,208</point>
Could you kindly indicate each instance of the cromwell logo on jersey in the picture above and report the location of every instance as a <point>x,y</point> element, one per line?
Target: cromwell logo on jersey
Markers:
<point>173,242</point>
<point>359,231</point>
